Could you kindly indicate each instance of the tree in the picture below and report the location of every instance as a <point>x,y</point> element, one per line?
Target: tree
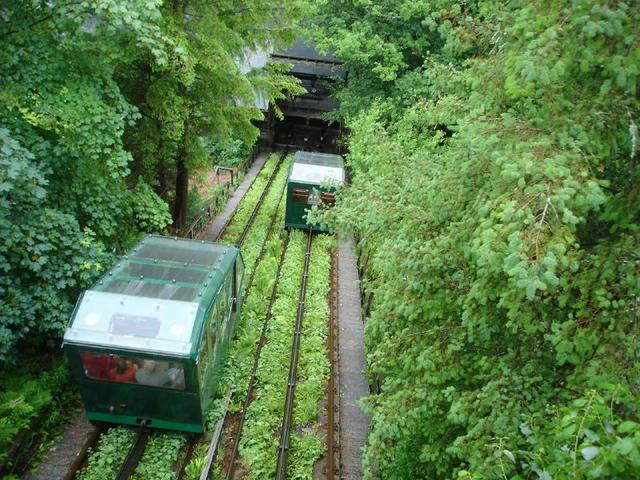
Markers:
<point>202,92</point>
<point>495,192</point>
<point>89,86</point>
<point>63,197</point>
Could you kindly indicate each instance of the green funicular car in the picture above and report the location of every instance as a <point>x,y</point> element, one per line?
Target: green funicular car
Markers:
<point>313,180</point>
<point>147,342</point>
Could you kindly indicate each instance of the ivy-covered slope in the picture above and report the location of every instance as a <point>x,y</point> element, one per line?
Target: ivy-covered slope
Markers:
<point>494,152</point>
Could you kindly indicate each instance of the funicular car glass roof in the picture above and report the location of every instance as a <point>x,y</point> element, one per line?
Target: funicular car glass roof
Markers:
<point>155,298</point>
<point>317,168</point>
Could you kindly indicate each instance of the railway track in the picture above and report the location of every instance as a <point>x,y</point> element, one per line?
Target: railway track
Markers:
<point>215,440</point>
<point>329,466</point>
<point>285,431</point>
<point>253,215</point>
<point>263,249</point>
<point>260,201</point>
<point>134,455</point>
<point>331,462</point>
<point>137,449</point>
<point>219,427</point>
<point>253,379</point>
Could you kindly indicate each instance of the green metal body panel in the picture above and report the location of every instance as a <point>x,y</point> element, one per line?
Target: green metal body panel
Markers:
<point>159,424</point>
<point>219,295</point>
<point>296,210</point>
<point>130,404</point>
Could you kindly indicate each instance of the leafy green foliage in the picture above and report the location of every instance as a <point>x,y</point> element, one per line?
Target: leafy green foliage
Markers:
<point>204,95</point>
<point>195,205</point>
<point>259,441</point>
<point>45,257</point>
<point>16,413</point>
<point>495,194</point>
<point>588,439</point>
<point>307,444</point>
<point>247,205</point>
<point>227,152</point>
<point>197,463</point>
<point>63,196</point>
<point>150,212</point>
<point>104,462</point>
<point>28,395</point>
<point>158,459</point>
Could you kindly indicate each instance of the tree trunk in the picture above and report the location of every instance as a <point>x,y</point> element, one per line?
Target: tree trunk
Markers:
<point>161,174</point>
<point>161,171</point>
<point>182,188</point>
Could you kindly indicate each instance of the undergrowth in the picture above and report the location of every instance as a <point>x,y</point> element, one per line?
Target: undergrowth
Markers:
<point>104,462</point>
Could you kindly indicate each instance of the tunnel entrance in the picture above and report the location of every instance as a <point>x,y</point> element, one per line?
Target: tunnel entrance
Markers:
<point>304,126</point>
<point>310,134</point>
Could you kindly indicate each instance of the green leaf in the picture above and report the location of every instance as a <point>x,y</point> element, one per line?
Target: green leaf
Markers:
<point>589,453</point>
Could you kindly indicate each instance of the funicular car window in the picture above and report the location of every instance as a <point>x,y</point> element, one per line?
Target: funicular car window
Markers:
<point>133,370</point>
<point>213,328</point>
<point>223,300</point>
<point>300,195</point>
<point>328,198</point>
<point>218,325</point>
<point>227,313</point>
<point>204,359</point>
<point>239,273</point>
<point>314,198</point>
<point>228,293</point>
<point>222,324</point>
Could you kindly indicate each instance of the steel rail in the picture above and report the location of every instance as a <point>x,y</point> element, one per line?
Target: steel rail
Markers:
<point>134,455</point>
<point>228,222</point>
<point>285,431</point>
<point>256,359</point>
<point>218,432</point>
<point>81,456</point>
<point>333,467</point>
<point>181,468</point>
<point>215,440</point>
<point>256,209</point>
<point>263,248</point>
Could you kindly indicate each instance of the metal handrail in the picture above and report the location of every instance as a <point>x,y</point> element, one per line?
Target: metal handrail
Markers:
<point>206,212</point>
<point>217,169</point>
